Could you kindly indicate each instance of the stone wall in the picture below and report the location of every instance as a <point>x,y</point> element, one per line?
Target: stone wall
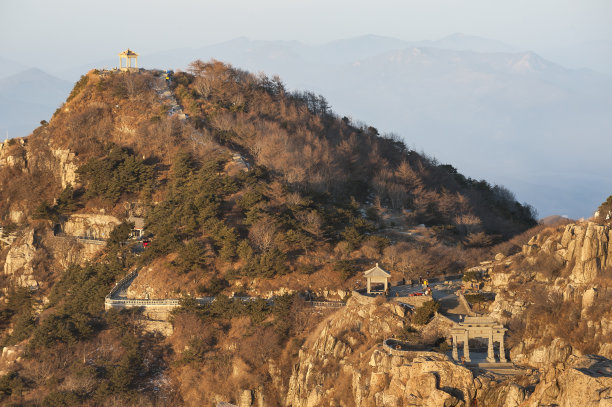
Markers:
<point>416,301</point>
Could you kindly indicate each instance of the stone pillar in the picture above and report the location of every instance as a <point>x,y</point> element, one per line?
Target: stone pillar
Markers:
<point>120,62</point>
<point>369,286</point>
<point>490,353</point>
<point>502,350</point>
<point>466,346</point>
<point>386,284</point>
<point>455,354</point>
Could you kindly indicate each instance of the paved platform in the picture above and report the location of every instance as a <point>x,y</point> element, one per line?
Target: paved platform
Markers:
<point>479,362</point>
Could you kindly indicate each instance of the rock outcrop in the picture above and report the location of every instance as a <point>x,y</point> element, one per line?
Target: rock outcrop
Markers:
<point>586,381</point>
<point>13,154</point>
<point>18,264</point>
<point>345,361</point>
<point>569,267</point>
<point>585,247</point>
<point>66,166</point>
<point>342,364</point>
<point>90,225</point>
<point>37,254</point>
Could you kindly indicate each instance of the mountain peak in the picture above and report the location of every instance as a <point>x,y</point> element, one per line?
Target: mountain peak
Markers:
<point>465,42</point>
<point>530,62</point>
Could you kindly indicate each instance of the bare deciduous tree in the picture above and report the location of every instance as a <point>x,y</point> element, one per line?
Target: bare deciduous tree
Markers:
<point>468,223</point>
<point>262,233</point>
<point>311,222</point>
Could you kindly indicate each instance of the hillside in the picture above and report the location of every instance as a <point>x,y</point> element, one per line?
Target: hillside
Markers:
<point>465,100</point>
<point>317,184</point>
<point>244,188</point>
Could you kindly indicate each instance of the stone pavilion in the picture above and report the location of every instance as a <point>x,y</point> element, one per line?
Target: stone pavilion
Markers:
<point>128,55</point>
<point>377,275</point>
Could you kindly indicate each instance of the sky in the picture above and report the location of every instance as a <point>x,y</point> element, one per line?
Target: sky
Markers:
<point>55,33</point>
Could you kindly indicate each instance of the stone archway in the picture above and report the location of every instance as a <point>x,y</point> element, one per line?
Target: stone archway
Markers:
<point>479,327</point>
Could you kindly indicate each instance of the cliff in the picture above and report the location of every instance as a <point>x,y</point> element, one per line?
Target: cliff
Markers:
<point>37,258</point>
<point>557,292</point>
<point>345,363</point>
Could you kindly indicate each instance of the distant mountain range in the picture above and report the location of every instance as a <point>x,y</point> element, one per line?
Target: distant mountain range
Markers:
<point>26,98</point>
<point>483,106</point>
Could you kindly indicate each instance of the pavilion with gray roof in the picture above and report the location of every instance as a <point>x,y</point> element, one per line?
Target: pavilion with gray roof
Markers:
<point>377,275</point>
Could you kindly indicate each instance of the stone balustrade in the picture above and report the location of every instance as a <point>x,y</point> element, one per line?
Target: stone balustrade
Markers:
<point>161,307</point>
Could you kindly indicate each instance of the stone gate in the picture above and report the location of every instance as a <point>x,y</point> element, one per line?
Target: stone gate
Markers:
<point>479,327</point>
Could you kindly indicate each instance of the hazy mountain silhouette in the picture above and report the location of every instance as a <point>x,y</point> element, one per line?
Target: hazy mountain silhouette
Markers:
<point>9,67</point>
<point>28,97</point>
<point>596,55</point>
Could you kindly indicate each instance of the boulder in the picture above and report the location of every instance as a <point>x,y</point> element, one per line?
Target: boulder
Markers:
<point>589,297</point>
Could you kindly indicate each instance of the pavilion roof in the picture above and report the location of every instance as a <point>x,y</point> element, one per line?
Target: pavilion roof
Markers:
<point>137,221</point>
<point>376,271</point>
<point>128,52</point>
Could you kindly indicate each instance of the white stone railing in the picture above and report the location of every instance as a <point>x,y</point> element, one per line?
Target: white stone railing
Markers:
<point>127,303</point>
<point>110,302</point>
<point>121,283</point>
<point>83,239</point>
<point>90,240</point>
<point>466,304</point>
<point>326,304</point>
<point>400,348</point>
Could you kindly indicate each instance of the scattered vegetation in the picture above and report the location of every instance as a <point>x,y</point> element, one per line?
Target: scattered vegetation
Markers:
<point>78,87</point>
<point>424,313</point>
<point>119,172</point>
<point>604,212</point>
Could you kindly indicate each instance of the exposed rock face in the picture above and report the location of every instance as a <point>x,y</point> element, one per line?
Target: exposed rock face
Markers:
<point>18,263</point>
<point>17,216</point>
<point>12,154</point>
<point>431,380</point>
<point>332,365</point>
<point>355,328</point>
<point>10,356</point>
<point>345,361</point>
<point>582,252</point>
<point>333,369</point>
<point>37,254</point>
<point>584,245</point>
<point>95,226</point>
<point>66,166</point>
<point>526,354</point>
<point>61,162</point>
<point>587,381</point>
